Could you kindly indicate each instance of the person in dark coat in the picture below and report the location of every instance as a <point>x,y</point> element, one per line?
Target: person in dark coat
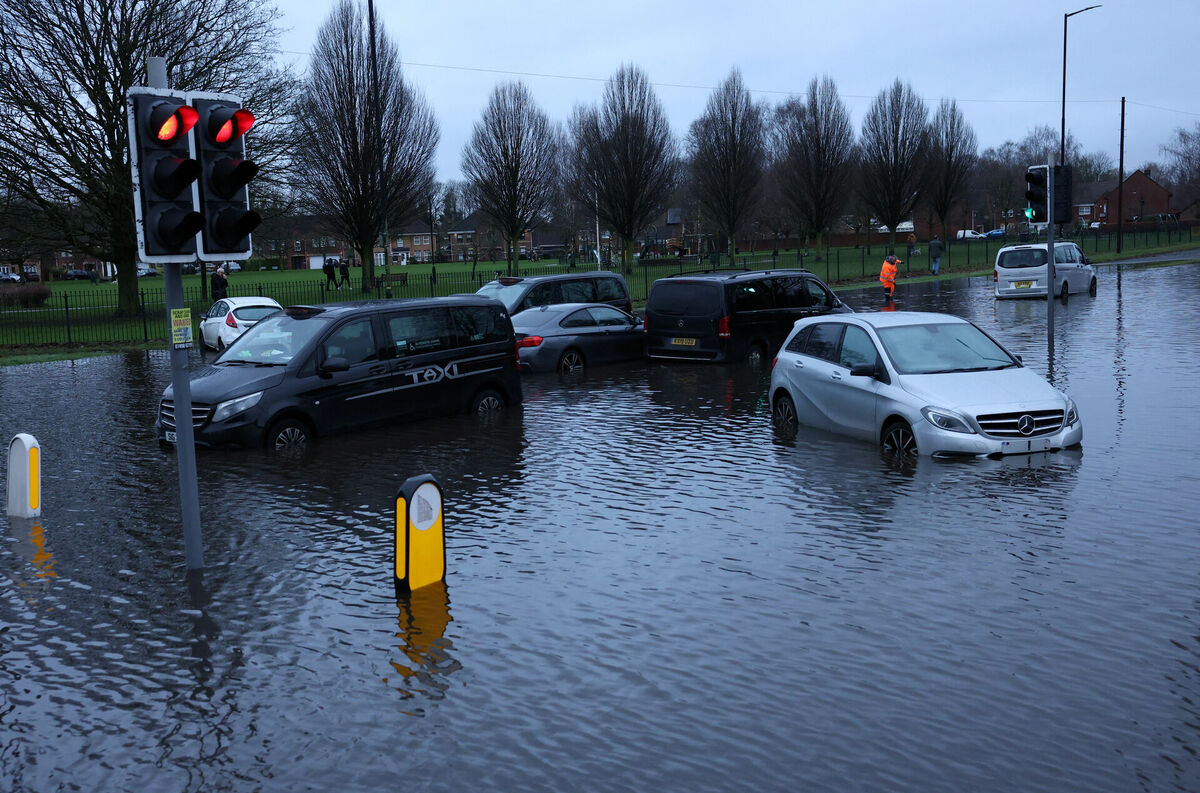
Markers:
<point>935,254</point>
<point>330,278</point>
<point>345,275</point>
<point>220,284</point>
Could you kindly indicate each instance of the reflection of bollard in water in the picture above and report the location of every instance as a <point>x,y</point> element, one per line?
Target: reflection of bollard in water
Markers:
<point>24,477</point>
<point>422,620</point>
<point>420,536</point>
<point>30,545</point>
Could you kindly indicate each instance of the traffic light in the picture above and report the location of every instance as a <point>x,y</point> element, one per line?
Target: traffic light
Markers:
<point>1064,209</point>
<point>221,127</point>
<point>164,174</point>
<point>1035,193</point>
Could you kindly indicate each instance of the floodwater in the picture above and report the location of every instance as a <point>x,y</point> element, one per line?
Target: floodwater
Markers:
<point>648,589</point>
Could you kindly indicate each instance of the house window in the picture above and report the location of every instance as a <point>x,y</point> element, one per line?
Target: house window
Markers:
<point>425,240</point>
<point>298,244</point>
<point>460,238</point>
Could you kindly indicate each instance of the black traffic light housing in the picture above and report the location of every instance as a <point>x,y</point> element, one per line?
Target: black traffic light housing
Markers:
<point>164,174</point>
<point>1064,209</point>
<point>1036,193</point>
<point>225,173</point>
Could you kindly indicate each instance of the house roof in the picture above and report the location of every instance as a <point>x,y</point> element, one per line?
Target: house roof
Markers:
<point>1091,192</point>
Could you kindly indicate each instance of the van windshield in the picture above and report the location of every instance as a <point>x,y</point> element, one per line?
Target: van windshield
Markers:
<point>685,299</point>
<point>1029,257</point>
<point>275,341</point>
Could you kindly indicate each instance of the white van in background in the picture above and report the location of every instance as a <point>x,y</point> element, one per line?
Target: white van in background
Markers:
<point>1021,271</point>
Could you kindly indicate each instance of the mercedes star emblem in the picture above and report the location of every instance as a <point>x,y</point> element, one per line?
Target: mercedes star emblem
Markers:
<point>1026,425</point>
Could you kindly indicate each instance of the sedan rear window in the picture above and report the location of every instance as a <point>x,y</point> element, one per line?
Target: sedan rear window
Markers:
<point>254,313</point>
<point>1030,257</point>
<point>685,299</point>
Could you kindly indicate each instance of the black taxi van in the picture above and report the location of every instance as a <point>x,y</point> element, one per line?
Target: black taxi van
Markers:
<point>310,371</point>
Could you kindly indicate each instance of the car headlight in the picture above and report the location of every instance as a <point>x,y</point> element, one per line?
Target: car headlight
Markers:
<point>1072,413</point>
<point>233,407</point>
<point>946,420</point>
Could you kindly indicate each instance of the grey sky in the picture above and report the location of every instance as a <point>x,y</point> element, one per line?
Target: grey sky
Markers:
<point>1002,62</point>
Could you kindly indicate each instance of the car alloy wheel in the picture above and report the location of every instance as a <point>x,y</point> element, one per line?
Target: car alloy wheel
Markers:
<point>785,414</point>
<point>898,439</point>
<point>571,362</point>
<point>487,405</point>
<point>1092,288</point>
<point>288,435</point>
<point>1065,293</point>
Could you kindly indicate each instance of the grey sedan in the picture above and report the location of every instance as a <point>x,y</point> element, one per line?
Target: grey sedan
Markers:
<point>566,337</point>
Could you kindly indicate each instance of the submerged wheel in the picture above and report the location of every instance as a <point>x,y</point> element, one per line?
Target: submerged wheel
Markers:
<point>784,414</point>
<point>220,344</point>
<point>1065,293</point>
<point>289,435</point>
<point>756,356</point>
<point>487,404</point>
<point>570,362</point>
<point>898,439</point>
<point>1092,288</point>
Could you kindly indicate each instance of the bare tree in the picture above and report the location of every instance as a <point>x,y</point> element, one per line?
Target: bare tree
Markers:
<point>511,163</point>
<point>65,69</point>
<point>952,154</point>
<point>894,135</point>
<point>624,161</point>
<point>814,146</point>
<point>727,152</point>
<point>368,140</point>
<point>430,205</point>
<point>1094,166</point>
<point>1040,145</point>
<point>1184,170</point>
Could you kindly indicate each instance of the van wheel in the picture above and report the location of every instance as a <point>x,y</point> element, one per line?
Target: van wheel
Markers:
<point>1092,288</point>
<point>487,404</point>
<point>898,439</point>
<point>756,356</point>
<point>289,435</point>
<point>570,362</point>
<point>1065,293</point>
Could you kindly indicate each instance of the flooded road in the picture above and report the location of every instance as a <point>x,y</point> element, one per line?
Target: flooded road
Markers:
<point>648,589</point>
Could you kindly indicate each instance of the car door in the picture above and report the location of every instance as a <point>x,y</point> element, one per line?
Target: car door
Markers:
<point>852,401</point>
<point>579,329</point>
<point>210,324</point>
<point>361,394</point>
<point>810,369</point>
<point>621,334</point>
<point>1079,270</point>
<point>421,347</point>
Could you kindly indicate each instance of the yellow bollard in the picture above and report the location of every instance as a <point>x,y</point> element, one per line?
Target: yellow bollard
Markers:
<point>24,477</point>
<point>420,534</point>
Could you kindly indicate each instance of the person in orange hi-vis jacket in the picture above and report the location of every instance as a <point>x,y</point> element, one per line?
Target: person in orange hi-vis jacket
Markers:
<point>887,274</point>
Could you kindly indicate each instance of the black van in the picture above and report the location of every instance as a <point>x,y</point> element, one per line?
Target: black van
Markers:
<point>731,316</point>
<point>309,371</point>
<point>598,286</point>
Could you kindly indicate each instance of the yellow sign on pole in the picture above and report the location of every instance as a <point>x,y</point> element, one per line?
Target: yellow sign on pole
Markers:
<point>181,328</point>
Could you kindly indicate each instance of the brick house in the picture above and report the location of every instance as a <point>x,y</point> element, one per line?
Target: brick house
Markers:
<point>1143,196</point>
<point>476,238</point>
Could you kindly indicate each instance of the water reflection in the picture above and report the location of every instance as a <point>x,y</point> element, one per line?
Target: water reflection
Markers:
<point>427,659</point>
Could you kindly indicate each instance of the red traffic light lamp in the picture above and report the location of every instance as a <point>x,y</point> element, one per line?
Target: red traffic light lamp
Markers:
<point>225,174</point>
<point>164,174</point>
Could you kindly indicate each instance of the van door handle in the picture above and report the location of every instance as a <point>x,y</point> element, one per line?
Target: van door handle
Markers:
<point>380,369</point>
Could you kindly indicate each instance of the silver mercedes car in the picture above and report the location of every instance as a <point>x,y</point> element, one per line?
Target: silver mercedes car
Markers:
<point>917,383</point>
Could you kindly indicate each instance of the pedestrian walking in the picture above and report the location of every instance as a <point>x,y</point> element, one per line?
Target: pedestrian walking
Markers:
<point>935,254</point>
<point>330,276</point>
<point>345,275</point>
<point>220,284</point>
<point>887,274</point>
<point>912,244</point>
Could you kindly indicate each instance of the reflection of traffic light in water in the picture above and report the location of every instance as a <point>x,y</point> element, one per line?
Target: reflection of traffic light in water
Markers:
<point>422,620</point>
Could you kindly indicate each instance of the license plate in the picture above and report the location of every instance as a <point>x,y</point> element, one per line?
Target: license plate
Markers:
<point>1022,284</point>
<point>683,342</point>
<point>170,437</point>
<point>1025,446</point>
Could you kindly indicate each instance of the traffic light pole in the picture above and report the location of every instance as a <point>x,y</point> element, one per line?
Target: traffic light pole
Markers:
<point>1051,276</point>
<point>181,386</point>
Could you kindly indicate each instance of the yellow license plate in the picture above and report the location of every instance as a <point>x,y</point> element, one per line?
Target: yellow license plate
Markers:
<point>1022,284</point>
<point>684,342</point>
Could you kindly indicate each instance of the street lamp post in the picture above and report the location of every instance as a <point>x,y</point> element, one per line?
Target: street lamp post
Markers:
<point>1062,136</point>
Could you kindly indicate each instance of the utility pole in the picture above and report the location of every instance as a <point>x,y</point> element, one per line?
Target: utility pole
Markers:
<point>1121,182</point>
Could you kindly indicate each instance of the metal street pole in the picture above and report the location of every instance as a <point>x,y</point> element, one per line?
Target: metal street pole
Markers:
<point>1062,136</point>
<point>1051,277</point>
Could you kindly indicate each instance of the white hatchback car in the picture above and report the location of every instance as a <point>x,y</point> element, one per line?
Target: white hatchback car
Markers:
<point>1021,271</point>
<point>917,382</point>
<point>230,317</point>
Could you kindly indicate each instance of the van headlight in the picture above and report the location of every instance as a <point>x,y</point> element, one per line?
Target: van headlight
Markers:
<point>1072,414</point>
<point>946,420</point>
<point>232,407</point>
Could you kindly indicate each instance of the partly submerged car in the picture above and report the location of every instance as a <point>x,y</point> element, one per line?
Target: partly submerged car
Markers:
<point>914,382</point>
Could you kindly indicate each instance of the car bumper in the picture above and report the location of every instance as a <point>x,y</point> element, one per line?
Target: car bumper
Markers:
<point>940,443</point>
<point>240,430</point>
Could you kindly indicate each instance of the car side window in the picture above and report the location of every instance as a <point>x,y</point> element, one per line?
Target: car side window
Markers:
<point>543,295</point>
<point>754,296</point>
<point>354,341</point>
<point>823,341</point>
<point>817,294</point>
<point>579,291</point>
<point>609,289</point>
<point>578,319</point>
<point>798,341</point>
<point>857,348</point>
<point>478,325</point>
<point>219,309</point>
<point>416,332</point>
<point>608,317</point>
<point>790,293</point>
<point>1060,254</point>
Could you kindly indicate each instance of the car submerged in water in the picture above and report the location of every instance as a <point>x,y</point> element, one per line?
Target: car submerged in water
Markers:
<point>917,383</point>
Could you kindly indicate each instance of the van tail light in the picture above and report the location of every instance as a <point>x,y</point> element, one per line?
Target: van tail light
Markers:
<point>529,341</point>
<point>723,327</point>
<point>230,321</point>
<point>995,276</point>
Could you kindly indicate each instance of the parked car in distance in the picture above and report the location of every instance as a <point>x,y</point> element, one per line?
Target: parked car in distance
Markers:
<point>146,271</point>
<point>230,317</point>
<point>731,316</point>
<point>311,371</point>
<point>904,226</point>
<point>995,233</point>
<point>10,278</point>
<point>969,234</point>
<point>1021,271</point>
<point>233,267</point>
<point>77,275</point>
<point>520,293</point>
<point>917,383</point>
<point>31,274</point>
<point>1095,224</point>
<point>567,337</point>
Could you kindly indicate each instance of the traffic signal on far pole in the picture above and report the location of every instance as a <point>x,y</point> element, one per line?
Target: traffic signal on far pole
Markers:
<point>225,175</point>
<point>1036,193</point>
<point>1064,209</point>
<point>164,174</point>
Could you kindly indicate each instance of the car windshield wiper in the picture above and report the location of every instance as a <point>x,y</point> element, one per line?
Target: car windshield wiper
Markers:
<point>268,363</point>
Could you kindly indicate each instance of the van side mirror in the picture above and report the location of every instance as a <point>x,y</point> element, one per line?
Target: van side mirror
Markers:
<point>337,363</point>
